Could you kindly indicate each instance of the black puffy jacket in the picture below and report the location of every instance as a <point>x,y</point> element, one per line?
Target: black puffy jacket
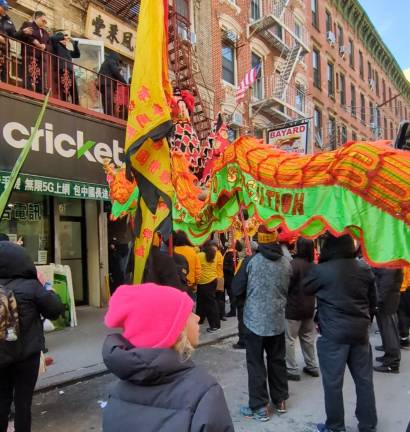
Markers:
<point>388,283</point>
<point>159,392</point>
<point>17,272</point>
<point>7,27</point>
<point>299,305</point>
<point>345,292</point>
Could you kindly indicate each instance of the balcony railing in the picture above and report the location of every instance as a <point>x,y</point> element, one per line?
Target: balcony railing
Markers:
<point>24,68</point>
<point>278,25</point>
<point>289,99</point>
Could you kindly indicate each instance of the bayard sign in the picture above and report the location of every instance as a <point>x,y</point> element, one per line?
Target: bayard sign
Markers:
<point>292,139</point>
<point>116,35</point>
<point>67,154</point>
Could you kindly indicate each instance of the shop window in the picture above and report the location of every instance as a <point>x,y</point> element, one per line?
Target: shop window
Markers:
<point>228,62</point>
<point>28,217</point>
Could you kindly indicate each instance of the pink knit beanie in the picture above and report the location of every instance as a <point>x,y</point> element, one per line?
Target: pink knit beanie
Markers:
<point>151,316</point>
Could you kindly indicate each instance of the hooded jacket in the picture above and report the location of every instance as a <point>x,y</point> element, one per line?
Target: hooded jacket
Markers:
<point>269,274</point>
<point>159,392</point>
<point>345,292</point>
<point>111,69</point>
<point>7,27</point>
<point>17,272</point>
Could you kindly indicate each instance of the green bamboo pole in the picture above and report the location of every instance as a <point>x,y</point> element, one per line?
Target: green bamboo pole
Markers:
<point>5,196</point>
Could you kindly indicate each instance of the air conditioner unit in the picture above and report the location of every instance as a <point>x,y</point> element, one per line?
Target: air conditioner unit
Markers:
<point>237,119</point>
<point>344,50</point>
<point>372,83</point>
<point>331,38</point>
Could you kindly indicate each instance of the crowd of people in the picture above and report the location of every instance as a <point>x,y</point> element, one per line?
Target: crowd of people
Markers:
<point>46,62</point>
<point>280,293</point>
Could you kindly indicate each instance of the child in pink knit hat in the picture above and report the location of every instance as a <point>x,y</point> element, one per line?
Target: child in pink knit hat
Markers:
<point>160,388</point>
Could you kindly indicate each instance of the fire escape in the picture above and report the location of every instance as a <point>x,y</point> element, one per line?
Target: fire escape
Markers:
<point>280,30</point>
<point>182,61</point>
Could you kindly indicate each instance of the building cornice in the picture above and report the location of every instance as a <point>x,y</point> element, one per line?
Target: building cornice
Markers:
<point>360,23</point>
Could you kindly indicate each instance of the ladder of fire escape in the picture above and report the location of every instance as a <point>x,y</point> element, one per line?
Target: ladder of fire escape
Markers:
<point>287,71</point>
<point>180,57</point>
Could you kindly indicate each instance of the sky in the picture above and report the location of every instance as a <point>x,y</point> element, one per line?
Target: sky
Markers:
<point>392,20</point>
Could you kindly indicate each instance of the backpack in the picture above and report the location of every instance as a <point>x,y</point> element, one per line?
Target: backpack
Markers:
<point>9,317</point>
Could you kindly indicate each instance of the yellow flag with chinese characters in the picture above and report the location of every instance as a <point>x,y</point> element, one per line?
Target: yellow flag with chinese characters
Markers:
<point>149,122</point>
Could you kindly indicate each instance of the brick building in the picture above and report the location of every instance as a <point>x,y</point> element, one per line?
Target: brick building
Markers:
<point>358,90</point>
<point>272,34</point>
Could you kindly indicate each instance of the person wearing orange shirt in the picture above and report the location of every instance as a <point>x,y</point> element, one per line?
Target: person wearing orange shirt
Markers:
<point>183,247</point>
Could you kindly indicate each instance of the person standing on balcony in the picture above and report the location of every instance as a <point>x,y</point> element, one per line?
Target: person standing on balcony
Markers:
<point>7,30</point>
<point>110,77</point>
<point>35,60</point>
<point>66,49</point>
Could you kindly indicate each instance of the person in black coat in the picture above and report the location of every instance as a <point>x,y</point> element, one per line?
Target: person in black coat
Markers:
<point>108,87</point>
<point>346,295</point>
<point>230,263</point>
<point>63,65</point>
<point>35,53</point>
<point>388,283</point>
<point>7,29</point>
<point>300,309</point>
<point>159,386</point>
<point>20,359</point>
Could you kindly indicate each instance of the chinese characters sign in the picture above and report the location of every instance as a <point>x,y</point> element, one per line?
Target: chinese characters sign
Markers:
<point>292,139</point>
<point>114,33</point>
<point>32,212</point>
<point>56,187</point>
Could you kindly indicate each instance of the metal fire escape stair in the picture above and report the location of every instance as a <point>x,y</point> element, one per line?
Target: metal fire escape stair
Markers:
<point>181,63</point>
<point>287,71</point>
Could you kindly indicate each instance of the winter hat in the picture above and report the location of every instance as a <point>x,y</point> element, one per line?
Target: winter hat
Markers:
<point>151,315</point>
<point>265,236</point>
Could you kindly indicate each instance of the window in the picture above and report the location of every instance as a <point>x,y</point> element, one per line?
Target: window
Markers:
<point>361,65</point>
<point>228,62</point>
<point>351,53</point>
<point>257,88</point>
<point>396,107</point>
<point>384,90</point>
<point>390,98</point>
<point>182,8</point>
<point>342,89</point>
<point>369,71</point>
<point>329,27</point>
<point>377,83</point>
<point>371,111</point>
<point>298,29</point>
<point>340,36</point>
<point>385,128</point>
<point>316,68</point>
<point>391,130</point>
<point>255,10</point>
<point>300,97</point>
<point>331,79</point>
<point>362,108</point>
<point>343,134</point>
<point>332,133</point>
<point>315,13</point>
<point>317,123</point>
<point>354,136</point>
<point>353,100</point>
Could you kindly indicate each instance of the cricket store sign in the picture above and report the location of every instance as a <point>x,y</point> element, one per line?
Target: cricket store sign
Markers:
<point>292,139</point>
<point>56,187</point>
<point>67,146</point>
<point>115,35</point>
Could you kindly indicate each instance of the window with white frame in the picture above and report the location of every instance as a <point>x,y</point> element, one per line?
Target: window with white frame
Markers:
<point>257,87</point>
<point>228,62</point>
<point>317,124</point>
<point>255,10</point>
<point>331,132</point>
<point>300,97</point>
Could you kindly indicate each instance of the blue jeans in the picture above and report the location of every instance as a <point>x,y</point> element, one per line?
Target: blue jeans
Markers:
<point>333,358</point>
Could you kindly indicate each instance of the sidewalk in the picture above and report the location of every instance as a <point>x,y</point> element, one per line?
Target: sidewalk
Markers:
<point>77,351</point>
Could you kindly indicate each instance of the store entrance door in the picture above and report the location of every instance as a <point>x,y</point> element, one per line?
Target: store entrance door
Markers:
<point>73,254</point>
